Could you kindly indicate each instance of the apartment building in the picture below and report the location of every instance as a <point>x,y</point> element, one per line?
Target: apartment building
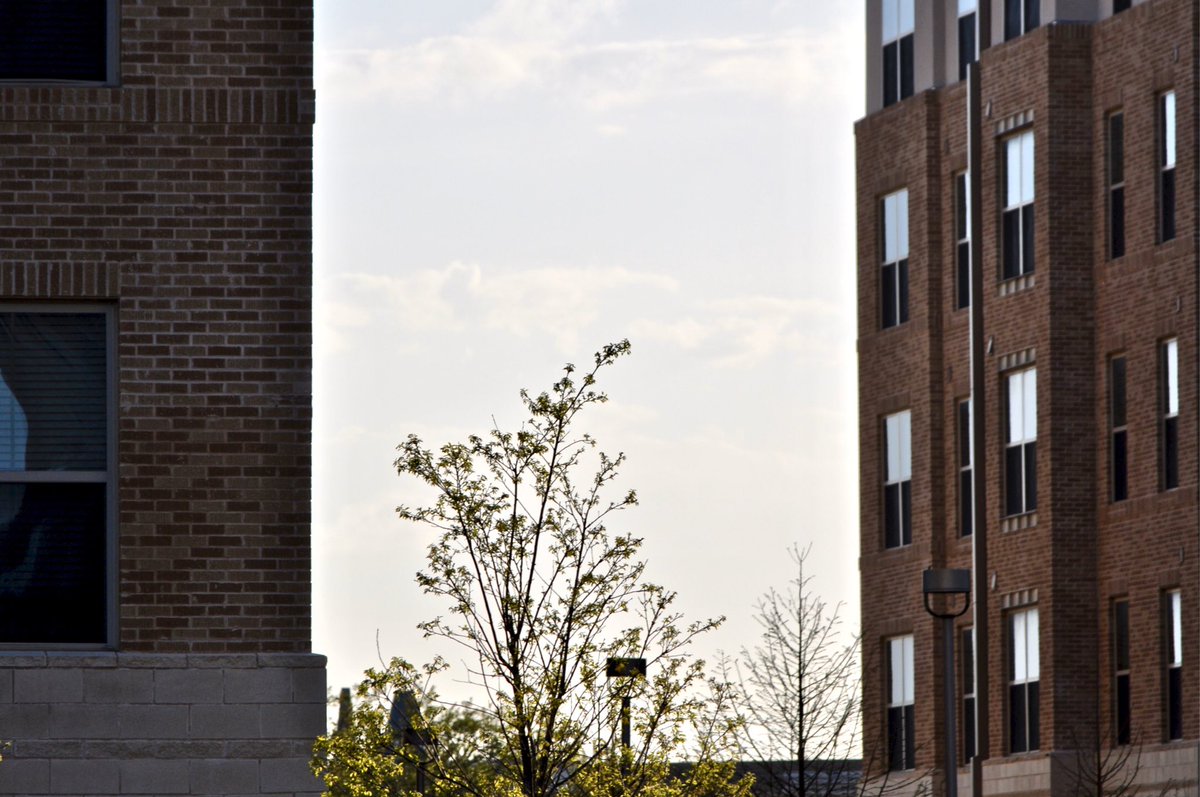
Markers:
<point>155,397</point>
<point>1026,180</point>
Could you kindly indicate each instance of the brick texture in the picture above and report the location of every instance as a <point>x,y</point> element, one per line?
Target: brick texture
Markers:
<point>1079,550</point>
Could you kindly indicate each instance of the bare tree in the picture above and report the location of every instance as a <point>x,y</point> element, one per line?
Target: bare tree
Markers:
<point>801,694</point>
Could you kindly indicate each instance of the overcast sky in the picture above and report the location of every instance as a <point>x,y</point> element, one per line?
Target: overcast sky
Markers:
<point>504,186</point>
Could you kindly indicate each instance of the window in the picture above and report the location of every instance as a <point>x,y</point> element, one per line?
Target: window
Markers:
<point>897,488</point>
<point>56,477</point>
<point>1120,5</point>
<point>1116,185</point>
<point>966,486</point>
<point>897,50</point>
<point>967,646</point>
<point>1120,641</point>
<point>1018,205</point>
<point>893,290</point>
<point>1169,389</point>
<point>900,726</point>
<point>1118,455</point>
<point>1166,166</point>
<point>967,54</point>
<point>1020,454</point>
<point>1023,674</point>
<point>1020,16</point>
<point>64,40</point>
<point>1173,637</point>
<point>962,236</point>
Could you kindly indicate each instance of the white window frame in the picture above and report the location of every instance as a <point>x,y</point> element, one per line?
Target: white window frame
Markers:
<point>1019,196</point>
<point>901,694</point>
<point>1025,667</point>
<point>894,268</point>
<point>898,472</point>
<point>1169,434</point>
<point>898,21</point>
<point>1021,431</point>
<point>1168,206</point>
<point>1173,659</point>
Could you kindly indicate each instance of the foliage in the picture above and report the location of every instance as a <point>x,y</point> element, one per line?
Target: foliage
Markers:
<point>540,593</point>
<point>367,758</point>
<point>800,688</point>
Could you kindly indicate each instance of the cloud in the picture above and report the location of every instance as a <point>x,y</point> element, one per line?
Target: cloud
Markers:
<point>538,45</point>
<point>558,303</point>
<point>741,332</point>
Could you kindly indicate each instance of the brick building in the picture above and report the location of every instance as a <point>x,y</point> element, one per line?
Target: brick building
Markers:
<point>1077,505</point>
<point>155,397</point>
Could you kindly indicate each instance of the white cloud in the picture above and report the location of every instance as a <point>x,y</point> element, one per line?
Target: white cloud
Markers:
<point>744,331</point>
<point>537,45</point>
<point>558,303</point>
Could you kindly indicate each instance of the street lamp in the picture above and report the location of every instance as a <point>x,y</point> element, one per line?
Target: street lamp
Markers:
<point>953,583</point>
<point>625,668</point>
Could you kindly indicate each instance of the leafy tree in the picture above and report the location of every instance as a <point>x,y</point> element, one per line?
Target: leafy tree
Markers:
<point>540,593</point>
<point>367,756</point>
<point>801,694</point>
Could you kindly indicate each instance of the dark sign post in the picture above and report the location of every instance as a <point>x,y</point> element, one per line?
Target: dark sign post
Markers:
<point>625,668</point>
<point>953,583</point>
<point>408,727</point>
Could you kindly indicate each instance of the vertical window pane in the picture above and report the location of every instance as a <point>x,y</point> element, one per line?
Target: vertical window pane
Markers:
<point>55,368</point>
<point>1168,131</point>
<point>54,40</point>
<point>906,17</point>
<point>1019,651</point>
<point>1026,141</point>
<point>901,221</point>
<point>1029,404</point>
<point>1176,629</point>
<point>1016,404</point>
<point>966,44</point>
<point>964,434</point>
<point>893,448</point>
<point>53,579</point>
<point>1031,634</point>
<point>1012,161</point>
<point>891,20</point>
<point>890,243</point>
<point>966,6</point>
<point>1171,373</point>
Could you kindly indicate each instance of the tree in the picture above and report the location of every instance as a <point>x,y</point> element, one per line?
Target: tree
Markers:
<point>801,694</point>
<point>367,756</point>
<point>540,593</point>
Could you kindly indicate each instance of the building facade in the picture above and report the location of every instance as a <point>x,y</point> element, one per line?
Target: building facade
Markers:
<point>155,398</point>
<point>1072,452</point>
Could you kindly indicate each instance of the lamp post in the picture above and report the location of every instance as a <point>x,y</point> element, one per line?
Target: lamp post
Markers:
<point>952,583</point>
<point>408,727</point>
<point>625,668</point>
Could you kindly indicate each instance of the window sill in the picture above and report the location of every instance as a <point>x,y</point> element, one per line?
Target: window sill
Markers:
<point>1017,522</point>
<point>1017,284</point>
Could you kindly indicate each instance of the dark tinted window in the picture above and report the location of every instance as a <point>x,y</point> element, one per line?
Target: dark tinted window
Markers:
<point>54,40</point>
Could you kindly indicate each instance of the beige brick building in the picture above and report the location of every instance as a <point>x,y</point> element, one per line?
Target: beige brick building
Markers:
<point>155,397</point>
<point>1083,473</point>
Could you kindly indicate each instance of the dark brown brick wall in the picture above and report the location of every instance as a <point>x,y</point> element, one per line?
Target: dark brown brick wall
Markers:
<point>1080,550</point>
<point>183,198</point>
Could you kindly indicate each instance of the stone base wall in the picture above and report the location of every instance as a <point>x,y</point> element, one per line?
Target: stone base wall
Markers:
<point>152,724</point>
